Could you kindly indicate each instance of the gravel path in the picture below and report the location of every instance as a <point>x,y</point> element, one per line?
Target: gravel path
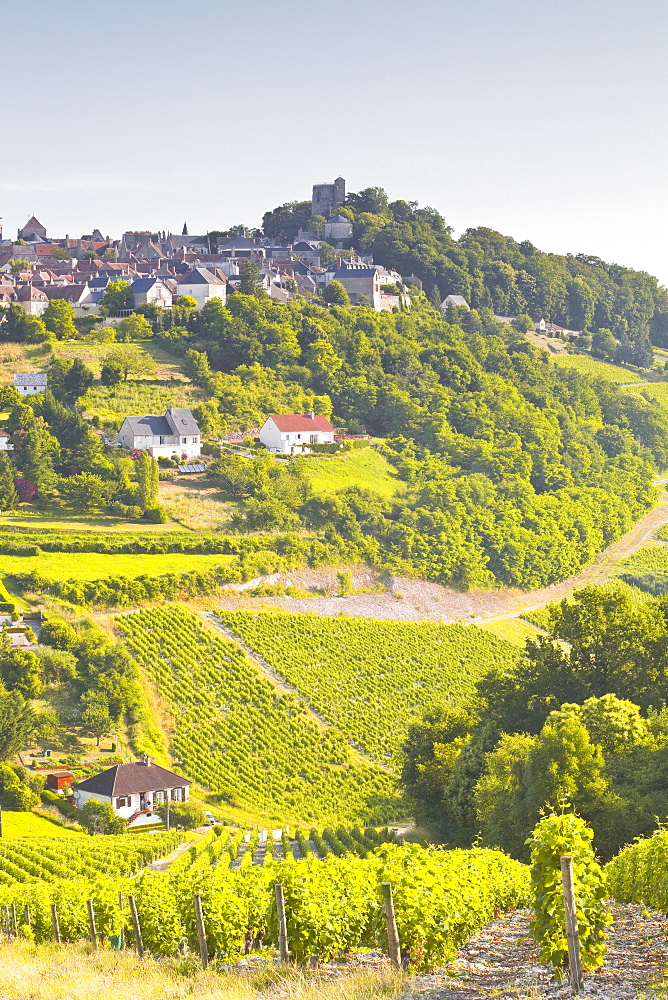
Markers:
<point>502,962</point>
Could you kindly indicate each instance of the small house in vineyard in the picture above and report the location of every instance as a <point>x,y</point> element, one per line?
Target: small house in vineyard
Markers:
<point>176,435</point>
<point>135,791</point>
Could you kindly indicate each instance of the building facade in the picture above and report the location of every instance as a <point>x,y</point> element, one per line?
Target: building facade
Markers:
<point>174,435</point>
<point>135,791</point>
<point>326,198</point>
<point>30,383</point>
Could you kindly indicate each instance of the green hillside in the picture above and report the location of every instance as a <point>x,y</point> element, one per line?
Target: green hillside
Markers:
<point>586,365</point>
<point>250,743</point>
<point>365,468</point>
<point>371,678</point>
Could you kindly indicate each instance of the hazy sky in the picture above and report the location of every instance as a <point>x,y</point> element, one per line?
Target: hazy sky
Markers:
<point>545,120</point>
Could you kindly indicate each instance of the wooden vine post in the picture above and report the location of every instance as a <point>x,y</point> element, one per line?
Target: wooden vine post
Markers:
<point>282,924</point>
<point>391,922</point>
<point>14,924</point>
<point>91,923</point>
<point>54,923</point>
<point>572,933</point>
<point>137,928</point>
<point>201,931</point>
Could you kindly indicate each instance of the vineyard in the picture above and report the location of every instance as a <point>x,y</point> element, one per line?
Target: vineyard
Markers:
<point>332,905</point>
<point>371,678</point>
<point>236,733</point>
<point>47,859</point>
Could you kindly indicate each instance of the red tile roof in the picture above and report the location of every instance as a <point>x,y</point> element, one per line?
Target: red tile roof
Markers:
<point>300,422</point>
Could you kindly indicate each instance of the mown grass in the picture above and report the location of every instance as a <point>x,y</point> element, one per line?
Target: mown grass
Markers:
<point>74,972</point>
<point>365,468</point>
<point>96,566</point>
<point>35,520</point>
<point>587,365</point>
<point>29,824</point>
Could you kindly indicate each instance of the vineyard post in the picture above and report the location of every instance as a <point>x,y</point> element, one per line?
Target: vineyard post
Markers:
<point>5,919</point>
<point>0,821</point>
<point>54,923</point>
<point>14,924</point>
<point>137,928</point>
<point>91,923</point>
<point>282,924</point>
<point>201,931</point>
<point>167,817</point>
<point>26,915</point>
<point>120,906</point>
<point>391,921</point>
<point>572,933</point>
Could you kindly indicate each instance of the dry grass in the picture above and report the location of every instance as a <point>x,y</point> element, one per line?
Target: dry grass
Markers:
<point>71,972</point>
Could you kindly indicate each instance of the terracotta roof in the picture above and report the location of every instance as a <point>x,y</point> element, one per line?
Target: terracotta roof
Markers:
<point>300,422</point>
<point>132,779</point>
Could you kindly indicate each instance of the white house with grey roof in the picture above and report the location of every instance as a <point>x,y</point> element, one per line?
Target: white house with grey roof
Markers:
<point>176,435</point>
<point>30,382</point>
<point>151,289</point>
<point>135,791</point>
<point>202,285</point>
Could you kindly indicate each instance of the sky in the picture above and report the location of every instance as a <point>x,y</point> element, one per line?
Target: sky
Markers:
<point>543,119</point>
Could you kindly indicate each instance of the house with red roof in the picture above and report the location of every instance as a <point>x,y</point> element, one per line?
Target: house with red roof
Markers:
<point>292,433</point>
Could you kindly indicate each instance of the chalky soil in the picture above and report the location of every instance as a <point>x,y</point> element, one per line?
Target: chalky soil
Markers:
<point>502,961</point>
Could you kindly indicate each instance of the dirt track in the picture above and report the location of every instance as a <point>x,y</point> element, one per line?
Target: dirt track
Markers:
<point>419,600</point>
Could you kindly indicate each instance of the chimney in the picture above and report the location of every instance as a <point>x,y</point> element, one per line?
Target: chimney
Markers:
<point>312,415</point>
<point>146,759</point>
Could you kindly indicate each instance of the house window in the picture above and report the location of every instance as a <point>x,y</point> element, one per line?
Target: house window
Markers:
<point>314,438</point>
<point>162,440</point>
<point>184,440</point>
<point>122,802</point>
<point>158,797</point>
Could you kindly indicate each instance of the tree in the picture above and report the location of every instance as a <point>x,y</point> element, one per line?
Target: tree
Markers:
<point>99,818</point>
<point>95,717</point>
<point>9,498</point>
<point>77,380</point>
<point>603,343</point>
<point>61,253</point>
<point>58,634</point>
<point>251,279</point>
<point>372,199</point>
<point>58,317</point>
<point>131,360</point>
<point>17,724</point>
<point>524,323</point>
<point>186,815</point>
<point>20,264</point>
<point>116,298</point>
<point>57,665</point>
<point>111,373</point>
<point>335,294</point>
<point>134,327</point>
<point>14,793</point>
<point>147,481</point>
<point>22,328</point>
<point>20,671</point>
<point>208,417</point>
<point>84,492</point>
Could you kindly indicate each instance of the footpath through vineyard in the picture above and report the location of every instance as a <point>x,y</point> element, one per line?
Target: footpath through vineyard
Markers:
<point>502,962</point>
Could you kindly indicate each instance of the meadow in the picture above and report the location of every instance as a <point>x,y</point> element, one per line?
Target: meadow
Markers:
<point>29,824</point>
<point>364,467</point>
<point>96,565</point>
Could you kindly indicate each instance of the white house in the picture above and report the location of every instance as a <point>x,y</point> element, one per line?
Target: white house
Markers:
<point>172,436</point>
<point>292,433</point>
<point>151,290</point>
<point>202,285</point>
<point>5,443</point>
<point>30,383</point>
<point>34,300</point>
<point>134,790</point>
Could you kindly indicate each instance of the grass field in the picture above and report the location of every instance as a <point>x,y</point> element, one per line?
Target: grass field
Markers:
<point>600,369</point>
<point>35,520</point>
<point>29,824</point>
<point>138,396</point>
<point>96,566</point>
<point>74,972</point>
<point>365,468</point>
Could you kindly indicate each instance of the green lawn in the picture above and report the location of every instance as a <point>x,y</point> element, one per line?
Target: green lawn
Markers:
<point>365,468</point>
<point>95,565</point>
<point>29,824</point>
<point>587,365</point>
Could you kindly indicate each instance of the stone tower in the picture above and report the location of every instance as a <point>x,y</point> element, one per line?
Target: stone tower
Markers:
<point>327,197</point>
